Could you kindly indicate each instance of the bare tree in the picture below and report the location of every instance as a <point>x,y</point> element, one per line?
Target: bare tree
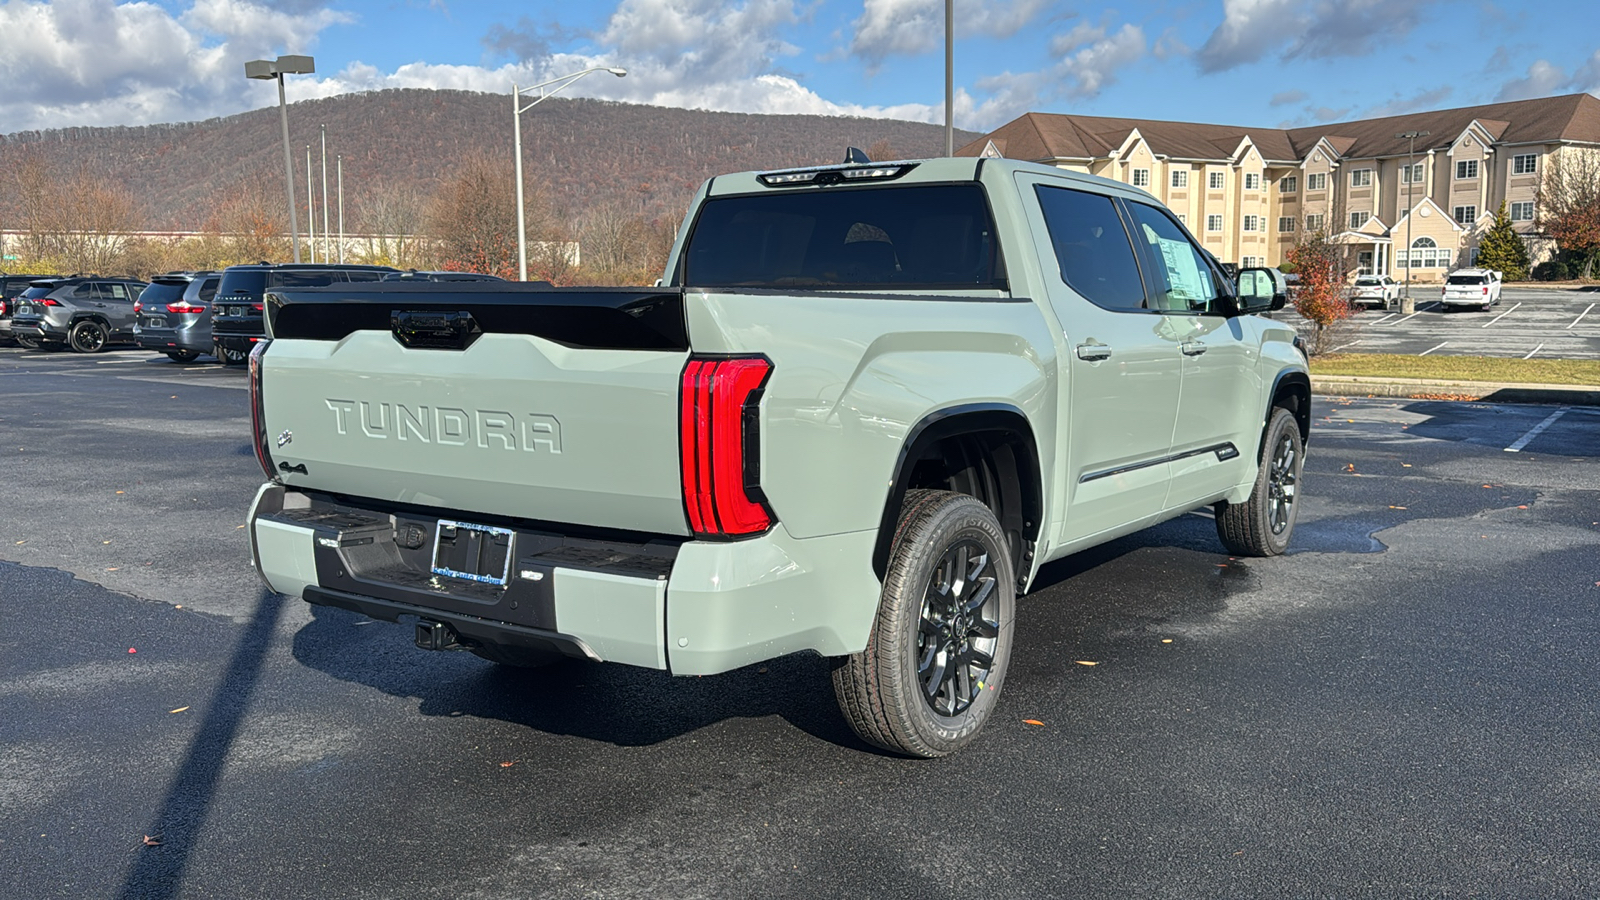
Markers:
<point>393,218</point>
<point>473,218</point>
<point>1568,203</point>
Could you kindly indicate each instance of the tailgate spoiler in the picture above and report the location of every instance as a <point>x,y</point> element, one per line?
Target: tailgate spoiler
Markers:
<point>450,315</point>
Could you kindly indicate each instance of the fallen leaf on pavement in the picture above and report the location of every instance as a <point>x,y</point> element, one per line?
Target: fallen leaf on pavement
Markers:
<point>1032,722</point>
<point>1085,662</point>
<point>1166,640</point>
<point>178,710</point>
<point>507,765</point>
<point>1405,465</point>
<point>1522,507</point>
<point>1397,507</point>
<point>132,650</point>
<point>152,841</point>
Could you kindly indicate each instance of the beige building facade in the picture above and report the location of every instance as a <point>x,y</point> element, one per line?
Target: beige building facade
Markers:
<point>1396,204</point>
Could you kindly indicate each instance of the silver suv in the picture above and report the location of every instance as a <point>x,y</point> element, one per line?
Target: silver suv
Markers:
<point>87,312</point>
<point>175,314</point>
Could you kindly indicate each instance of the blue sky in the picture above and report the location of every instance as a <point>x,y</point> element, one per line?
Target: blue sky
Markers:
<point>1248,62</point>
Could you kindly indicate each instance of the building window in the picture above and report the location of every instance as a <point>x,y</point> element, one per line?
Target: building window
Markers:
<point>1216,181</point>
<point>1288,184</point>
<point>1317,181</point>
<point>1183,218</point>
<point>1251,223</point>
<point>1466,169</point>
<point>1425,254</point>
<point>1314,223</point>
<point>1522,212</point>
<point>1411,174</point>
<point>1361,178</point>
<point>1358,219</point>
<point>1285,224</point>
<point>1213,223</point>
<point>1252,181</point>
<point>1180,178</point>
<point>1525,164</point>
<point>1466,215</point>
<point>1250,262</point>
<point>1141,177</point>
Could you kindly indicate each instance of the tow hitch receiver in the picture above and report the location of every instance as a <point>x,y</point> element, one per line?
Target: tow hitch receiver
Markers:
<point>433,635</point>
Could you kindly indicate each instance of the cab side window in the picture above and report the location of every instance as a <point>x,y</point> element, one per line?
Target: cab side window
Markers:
<point>1181,278</point>
<point>209,288</point>
<point>1092,247</point>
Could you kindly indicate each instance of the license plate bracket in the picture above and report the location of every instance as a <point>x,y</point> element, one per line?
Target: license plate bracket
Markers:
<point>472,552</point>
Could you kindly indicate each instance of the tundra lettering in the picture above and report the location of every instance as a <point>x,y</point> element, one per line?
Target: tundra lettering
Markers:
<point>452,426</point>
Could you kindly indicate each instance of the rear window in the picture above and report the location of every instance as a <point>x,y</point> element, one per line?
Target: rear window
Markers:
<point>1466,279</point>
<point>35,293</point>
<point>304,279</point>
<point>162,292</point>
<point>879,238</point>
<point>248,281</point>
<point>1368,280</point>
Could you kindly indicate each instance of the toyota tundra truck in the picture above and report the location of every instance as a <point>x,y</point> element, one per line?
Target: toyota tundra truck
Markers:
<point>860,410</point>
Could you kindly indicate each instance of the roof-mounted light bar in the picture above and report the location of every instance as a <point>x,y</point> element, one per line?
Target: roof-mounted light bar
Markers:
<point>835,175</point>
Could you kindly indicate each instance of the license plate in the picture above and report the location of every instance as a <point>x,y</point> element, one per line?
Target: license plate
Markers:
<point>480,553</point>
<point>24,310</point>
<point>154,322</point>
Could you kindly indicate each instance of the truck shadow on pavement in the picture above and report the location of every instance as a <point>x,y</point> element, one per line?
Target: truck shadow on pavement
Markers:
<point>615,704</point>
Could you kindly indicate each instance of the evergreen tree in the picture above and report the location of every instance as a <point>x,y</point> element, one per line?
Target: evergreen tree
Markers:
<point>1502,249</point>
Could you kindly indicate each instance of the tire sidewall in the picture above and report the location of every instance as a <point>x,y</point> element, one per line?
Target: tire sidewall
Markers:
<point>1282,425</point>
<point>948,523</point>
<point>82,327</point>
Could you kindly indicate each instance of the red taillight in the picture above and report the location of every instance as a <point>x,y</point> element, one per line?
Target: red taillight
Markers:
<point>719,429</point>
<point>49,302</point>
<point>1486,290</point>
<point>258,419</point>
<point>182,306</point>
<point>259,307</point>
<point>138,307</point>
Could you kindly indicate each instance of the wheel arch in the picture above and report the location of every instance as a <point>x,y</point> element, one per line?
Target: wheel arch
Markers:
<point>984,450</point>
<point>1291,390</point>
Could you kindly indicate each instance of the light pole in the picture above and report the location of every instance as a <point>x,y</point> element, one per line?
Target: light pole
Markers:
<point>546,89</point>
<point>949,78</point>
<point>326,256</point>
<point>266,69</point>
<point>1408,306</point>
<point>311,208</point>
<point>339,168</point>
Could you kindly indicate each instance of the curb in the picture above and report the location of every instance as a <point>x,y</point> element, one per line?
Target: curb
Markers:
<point>1427,389</point>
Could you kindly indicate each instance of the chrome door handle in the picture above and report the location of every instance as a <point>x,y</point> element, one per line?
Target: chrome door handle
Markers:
<point>1094,352</point>
<point>1192,348</point>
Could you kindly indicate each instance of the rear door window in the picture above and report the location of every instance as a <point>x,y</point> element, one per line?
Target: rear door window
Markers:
<point>1092,248</point>
<point>209,288</point>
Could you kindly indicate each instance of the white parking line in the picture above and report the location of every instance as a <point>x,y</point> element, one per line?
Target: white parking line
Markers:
<point>1386,317</point>
<point>1431,349</point>
<point>1533,351</point>
<point>1581,315</point>
<point>1537,430</point>
<point>1342,346</point>
<point>120,362</point>
<point>1503,315</point>
<point>1406,319</point>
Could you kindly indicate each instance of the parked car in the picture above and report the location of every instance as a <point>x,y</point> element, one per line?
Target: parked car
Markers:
<point>236,321</point>
<point>11,287</point>
<point>87,311</point>
<point>1470,287</point>
<point>1374,290</point>
<point>175,314</point>
<point>414,275</point>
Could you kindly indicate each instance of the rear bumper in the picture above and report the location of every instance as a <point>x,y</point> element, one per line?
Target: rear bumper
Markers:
<point>690,607</point>
<point>240,342</point>
<point>36,329</point>
<point>166,339</point>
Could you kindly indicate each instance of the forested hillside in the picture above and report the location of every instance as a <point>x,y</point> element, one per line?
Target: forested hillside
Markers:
<point>642,161</point>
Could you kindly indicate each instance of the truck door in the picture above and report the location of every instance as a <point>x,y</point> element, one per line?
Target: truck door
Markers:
<point>1119,373</point>
<point>1219,408</point>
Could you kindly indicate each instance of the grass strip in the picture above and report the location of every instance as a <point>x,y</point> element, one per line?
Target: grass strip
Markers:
<point>1584,372</point>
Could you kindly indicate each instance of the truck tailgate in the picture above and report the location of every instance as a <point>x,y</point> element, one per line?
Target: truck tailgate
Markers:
<point>515,423</point>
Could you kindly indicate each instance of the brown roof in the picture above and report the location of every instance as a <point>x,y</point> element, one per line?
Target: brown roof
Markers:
<point>1046,136</point>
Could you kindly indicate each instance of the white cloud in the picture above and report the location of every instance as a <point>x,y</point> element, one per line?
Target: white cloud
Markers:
<point>97,62</point>
<point>1588,75</point>
<point>1542,80</point>
<point>1090,55</point>
<point>910,27</point>
<point>1318,29</point>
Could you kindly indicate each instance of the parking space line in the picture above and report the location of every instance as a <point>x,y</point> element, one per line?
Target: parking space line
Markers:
<point>1406,319</point>
<point>1502,315</point>
<point>1386,317</point>
<point>1580,316</point>
<point>1537,430</point>
<point>1431,349</point>
<point>1533,351</point>
<point>1342,346</point>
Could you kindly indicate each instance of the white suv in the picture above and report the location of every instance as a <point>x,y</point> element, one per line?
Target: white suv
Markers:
<point>1374,290</point>
<point>1471,287</point>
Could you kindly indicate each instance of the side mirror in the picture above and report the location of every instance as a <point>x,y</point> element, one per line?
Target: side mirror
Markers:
<point>1262,289</point>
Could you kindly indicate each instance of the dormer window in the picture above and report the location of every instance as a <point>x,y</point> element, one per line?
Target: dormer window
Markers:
<point>1466,169</point>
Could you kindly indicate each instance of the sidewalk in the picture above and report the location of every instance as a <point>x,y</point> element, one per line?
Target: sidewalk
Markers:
<point>1428,389</point>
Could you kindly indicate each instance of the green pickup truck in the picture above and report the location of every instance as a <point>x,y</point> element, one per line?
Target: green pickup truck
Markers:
<point>861,409</point>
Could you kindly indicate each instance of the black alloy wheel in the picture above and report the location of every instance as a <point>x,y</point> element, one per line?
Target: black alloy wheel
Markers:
<point>87,336</point>
<point>1263,524</point>
<point>959,629</point>
<point>231,357</point>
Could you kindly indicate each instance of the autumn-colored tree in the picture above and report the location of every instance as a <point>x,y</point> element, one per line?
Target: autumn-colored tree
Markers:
<point>391,217</point>
<point>473,222</point>
<point>1322,298</point>
<point>1568,204</point>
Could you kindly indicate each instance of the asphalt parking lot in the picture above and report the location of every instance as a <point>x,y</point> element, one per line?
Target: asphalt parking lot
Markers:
<point>1403,706</point>
<point>1529,323</point>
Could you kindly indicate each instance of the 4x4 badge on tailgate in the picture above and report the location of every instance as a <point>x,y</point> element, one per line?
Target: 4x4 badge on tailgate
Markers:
<point>285,438</point>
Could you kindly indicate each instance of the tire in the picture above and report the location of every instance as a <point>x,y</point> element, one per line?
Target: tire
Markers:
<point>28,343</point>
<point>1262,525</point>
<point>231,357</point>
<point>924,617</point>
<point>182,356</point>
<point>87,336</point>
<point>517,657</point>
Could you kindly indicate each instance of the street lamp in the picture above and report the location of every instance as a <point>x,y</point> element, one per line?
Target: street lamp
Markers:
<point>1408,306</point>
<point>546,89</point>
<point>267,69</point>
